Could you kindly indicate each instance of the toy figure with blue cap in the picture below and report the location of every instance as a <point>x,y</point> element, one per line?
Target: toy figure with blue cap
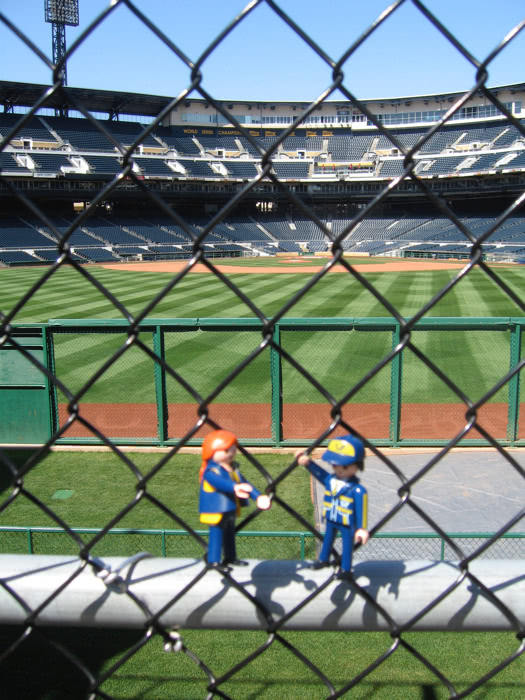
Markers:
<point>345,499</point>
<point>223,491</point>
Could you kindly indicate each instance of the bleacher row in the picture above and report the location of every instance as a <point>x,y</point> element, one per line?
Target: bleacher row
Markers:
<point>58,145</point>
<point>151,235</point>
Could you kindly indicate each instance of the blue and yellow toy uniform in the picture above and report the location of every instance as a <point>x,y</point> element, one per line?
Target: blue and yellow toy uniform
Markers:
<point>345,508</point>
<point>218,506</point>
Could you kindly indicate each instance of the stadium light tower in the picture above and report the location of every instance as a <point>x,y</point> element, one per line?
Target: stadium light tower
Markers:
<point>60,13</point>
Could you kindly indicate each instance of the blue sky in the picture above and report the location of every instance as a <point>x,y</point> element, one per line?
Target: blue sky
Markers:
<point>263,58</point>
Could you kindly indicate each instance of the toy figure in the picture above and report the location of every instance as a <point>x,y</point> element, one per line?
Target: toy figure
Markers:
<point>223,492</point>
<point>345,500</point>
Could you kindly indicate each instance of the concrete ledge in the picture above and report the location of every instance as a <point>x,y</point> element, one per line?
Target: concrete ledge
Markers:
<point>209,599</point>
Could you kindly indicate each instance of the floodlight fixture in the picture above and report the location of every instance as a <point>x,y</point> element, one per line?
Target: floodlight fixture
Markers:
<point>62,12</point>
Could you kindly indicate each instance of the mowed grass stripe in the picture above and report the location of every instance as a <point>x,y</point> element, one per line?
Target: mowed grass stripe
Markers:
<point>338,360</point>
<point>206,358</point>
<point>333,297</point>
<point>473,360</point>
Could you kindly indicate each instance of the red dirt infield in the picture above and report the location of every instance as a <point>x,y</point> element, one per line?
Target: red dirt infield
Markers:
<point>174,266</point>
<point>300,421</point>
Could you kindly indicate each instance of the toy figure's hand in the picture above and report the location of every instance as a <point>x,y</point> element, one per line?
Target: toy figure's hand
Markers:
<point>302,458</point>
<point>263,502</point>
<point>362,536</point>
<point>242,490</point>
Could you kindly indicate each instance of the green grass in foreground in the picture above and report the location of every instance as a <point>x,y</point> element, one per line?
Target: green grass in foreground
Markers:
<point>37,670</point>
<point>102,486</point>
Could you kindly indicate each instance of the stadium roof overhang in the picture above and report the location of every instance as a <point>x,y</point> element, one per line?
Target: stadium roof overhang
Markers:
<point>27,94</point>
<point>113,103</point>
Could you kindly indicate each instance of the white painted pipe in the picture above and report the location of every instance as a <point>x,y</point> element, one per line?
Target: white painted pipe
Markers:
<point>401,588</point>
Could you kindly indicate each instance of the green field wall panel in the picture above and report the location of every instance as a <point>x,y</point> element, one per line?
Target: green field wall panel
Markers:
<point>474,361</point>
<point>337,360</point>
<point>121,402</point>
<point>204,359</point>
<point>24,397</point>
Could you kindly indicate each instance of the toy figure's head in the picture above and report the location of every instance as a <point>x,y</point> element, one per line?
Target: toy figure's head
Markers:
<point>216,441</point>
<point>345,450</point>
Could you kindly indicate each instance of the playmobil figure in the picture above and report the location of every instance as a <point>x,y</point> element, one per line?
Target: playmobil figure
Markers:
<point>345,500</point>
<point>223,492</point>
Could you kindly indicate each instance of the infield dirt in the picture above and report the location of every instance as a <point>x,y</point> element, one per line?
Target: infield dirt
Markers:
<point>174,266</point>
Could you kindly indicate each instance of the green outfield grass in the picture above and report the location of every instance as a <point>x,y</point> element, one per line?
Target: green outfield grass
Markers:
<point>69,295</point>
<point>337,360</point>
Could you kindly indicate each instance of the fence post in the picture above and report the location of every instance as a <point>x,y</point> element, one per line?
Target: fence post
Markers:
<point>29,541</point>
<point>49,354</point>
<point>163,543</point>
<point>277,393</point>
<point>302,546</point>
<point>395,388</point>
<point>160,386</point>
<point>514,383</point>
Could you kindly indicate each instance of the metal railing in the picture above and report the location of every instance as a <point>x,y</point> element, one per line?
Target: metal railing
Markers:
<point>296,545</point>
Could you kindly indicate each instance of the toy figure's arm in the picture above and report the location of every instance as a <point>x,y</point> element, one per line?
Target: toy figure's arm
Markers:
<point>262,501</point>
<point>361,515</point>
<point>305,461</point>
<point>221,483</point>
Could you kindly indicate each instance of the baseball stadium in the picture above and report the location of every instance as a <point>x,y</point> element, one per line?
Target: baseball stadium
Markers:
<point>290,271</point>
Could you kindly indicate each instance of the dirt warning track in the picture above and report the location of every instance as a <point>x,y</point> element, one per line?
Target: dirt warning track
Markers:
<point>174,266</point>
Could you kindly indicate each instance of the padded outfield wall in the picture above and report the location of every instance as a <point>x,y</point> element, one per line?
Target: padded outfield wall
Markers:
<point>154,395</point>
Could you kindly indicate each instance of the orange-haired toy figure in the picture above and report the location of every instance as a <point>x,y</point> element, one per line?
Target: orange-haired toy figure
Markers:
<point>223,492</point>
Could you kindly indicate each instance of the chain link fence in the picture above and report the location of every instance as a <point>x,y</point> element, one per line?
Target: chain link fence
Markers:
<point>258,545</point>
<point>32,635</point>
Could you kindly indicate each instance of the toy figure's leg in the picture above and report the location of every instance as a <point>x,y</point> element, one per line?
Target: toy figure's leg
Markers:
<point>347,535</point>
<point>327,542</point>
<point>228,523</point>
<point>214,544</point>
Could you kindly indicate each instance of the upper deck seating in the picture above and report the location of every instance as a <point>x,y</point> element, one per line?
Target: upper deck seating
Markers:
<point>241,169</point>
<point>85,136</point>
<point>291,170</point>
<point>33,129</point>
<point>153,166</point>
<point>249,147</point>
<point>349,147</point>
<point>196,168</point>
<point>214,143</point>
<point>183,144</point>
<point>296,143</point>
<point>50,162</point>
<point>103,165</point>
<point>9,164</point>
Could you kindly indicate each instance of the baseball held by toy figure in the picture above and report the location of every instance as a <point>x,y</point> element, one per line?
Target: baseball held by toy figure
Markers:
<point>223,492</point>
<point>345,499</point>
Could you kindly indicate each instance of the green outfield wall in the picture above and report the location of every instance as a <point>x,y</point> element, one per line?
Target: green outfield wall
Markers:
<point>88,380</point>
